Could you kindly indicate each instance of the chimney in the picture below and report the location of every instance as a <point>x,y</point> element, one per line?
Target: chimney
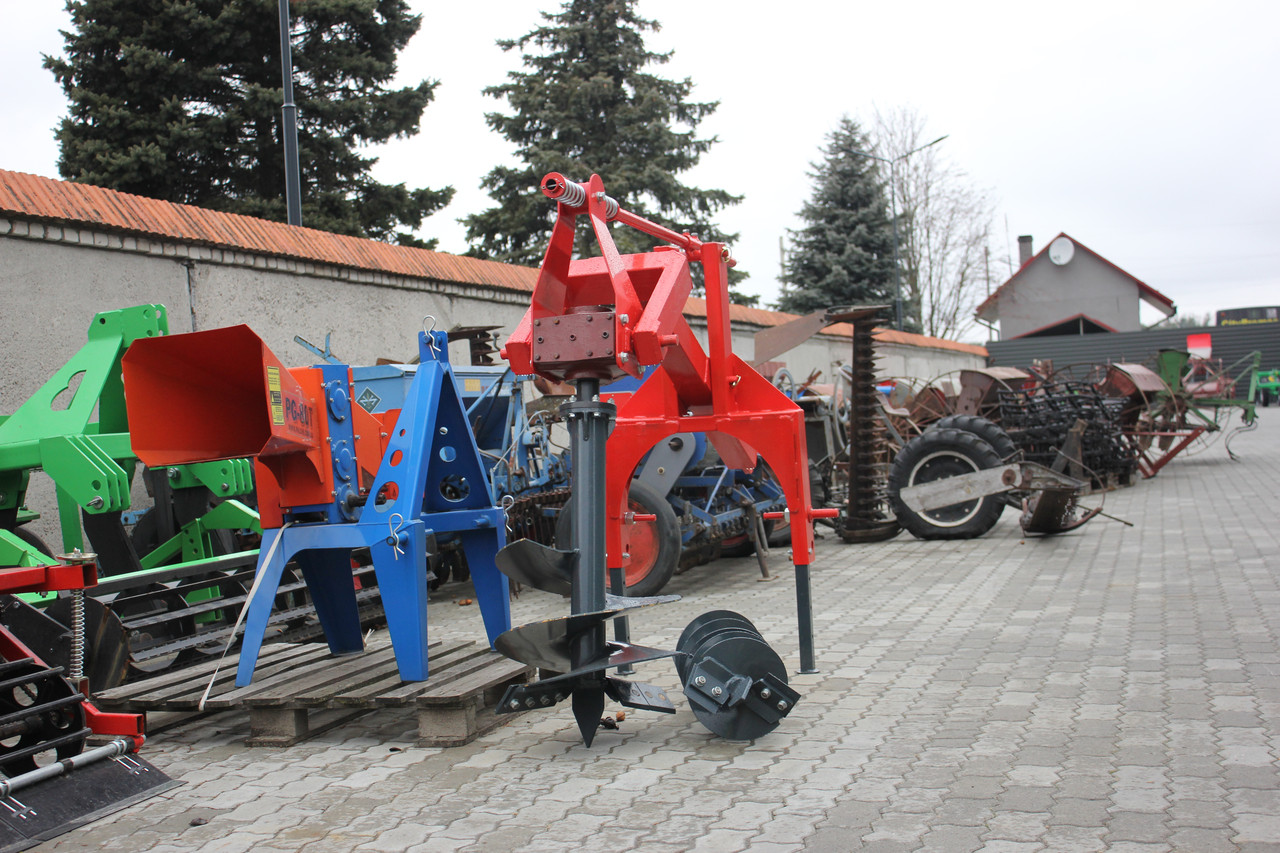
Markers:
<point>1024,250</point>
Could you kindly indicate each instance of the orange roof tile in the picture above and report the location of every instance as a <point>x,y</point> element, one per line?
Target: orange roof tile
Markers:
<point>81,204</point>
<point>49,200</point>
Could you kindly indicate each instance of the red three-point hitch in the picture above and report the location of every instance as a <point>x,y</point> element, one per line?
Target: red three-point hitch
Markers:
<point>596,319</point>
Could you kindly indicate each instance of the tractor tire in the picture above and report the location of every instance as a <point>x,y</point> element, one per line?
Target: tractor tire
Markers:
<point>935,455</point>
<point>655,545</point>
<point>990,432</point>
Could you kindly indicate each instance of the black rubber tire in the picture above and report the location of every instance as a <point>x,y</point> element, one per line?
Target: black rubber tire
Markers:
<point>33,540</point>
<point>989,431</point>
<point>936,454</point>
<point>666,535</point>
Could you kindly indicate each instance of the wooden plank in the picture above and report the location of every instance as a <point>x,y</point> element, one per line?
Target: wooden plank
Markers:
<point>266,675</point>
<point>391,691</point>
<point>485,674</point>
<point>166,688</point>
<point>220,697</point>
<point>300,690</point>
<point>315,685</point>
<point>407,692</point>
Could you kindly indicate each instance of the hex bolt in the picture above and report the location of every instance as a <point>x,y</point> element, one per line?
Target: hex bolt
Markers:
<point>700,681</point>
<point>716,691</point>
<point>173,473</point>
<point>225,487</point>
<point>514,704</point>
<point>782,705</point>
<point>624,319</point>
<point>765,693</point>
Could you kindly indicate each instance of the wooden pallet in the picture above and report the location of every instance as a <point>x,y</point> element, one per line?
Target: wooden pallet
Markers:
<point>299,690</point>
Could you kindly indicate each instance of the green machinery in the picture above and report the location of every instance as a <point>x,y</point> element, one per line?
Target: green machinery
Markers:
<point>170,576</point>
<point>1268,385</point>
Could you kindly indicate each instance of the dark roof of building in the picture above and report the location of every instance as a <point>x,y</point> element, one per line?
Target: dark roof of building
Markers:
<point>1077,324</point>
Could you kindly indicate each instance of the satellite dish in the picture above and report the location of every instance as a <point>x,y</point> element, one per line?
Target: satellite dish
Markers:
<point>1061,250</point>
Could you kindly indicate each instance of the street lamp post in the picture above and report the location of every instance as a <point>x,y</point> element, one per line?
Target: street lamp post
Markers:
<point>893,212</point>
<point>289,130</point>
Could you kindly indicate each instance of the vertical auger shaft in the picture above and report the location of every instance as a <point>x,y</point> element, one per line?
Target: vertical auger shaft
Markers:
<point>589,422</point>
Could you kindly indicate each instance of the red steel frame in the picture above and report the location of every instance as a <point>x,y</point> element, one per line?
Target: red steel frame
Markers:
<point>693,389</point>
<point>53,579</point>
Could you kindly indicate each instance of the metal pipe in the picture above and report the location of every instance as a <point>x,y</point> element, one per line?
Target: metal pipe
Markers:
<point>114,749</point>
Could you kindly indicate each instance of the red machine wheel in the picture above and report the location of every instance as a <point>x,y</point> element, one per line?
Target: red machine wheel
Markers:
<point>654,545</point>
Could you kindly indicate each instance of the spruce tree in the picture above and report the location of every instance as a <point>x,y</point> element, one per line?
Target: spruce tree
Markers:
<point>585,105</point>
<point>844,253</point>
<point>180,100</point>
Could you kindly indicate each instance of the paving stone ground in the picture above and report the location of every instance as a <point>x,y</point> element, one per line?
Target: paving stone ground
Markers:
<point>1113,689</point>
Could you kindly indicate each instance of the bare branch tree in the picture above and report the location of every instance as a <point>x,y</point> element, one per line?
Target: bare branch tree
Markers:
<point>944,226</point>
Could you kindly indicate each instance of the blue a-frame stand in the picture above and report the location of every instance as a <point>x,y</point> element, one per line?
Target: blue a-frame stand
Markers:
<point>431,481</point>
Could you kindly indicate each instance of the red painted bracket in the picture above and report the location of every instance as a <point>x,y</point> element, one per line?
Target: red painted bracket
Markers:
<point>607,316</point>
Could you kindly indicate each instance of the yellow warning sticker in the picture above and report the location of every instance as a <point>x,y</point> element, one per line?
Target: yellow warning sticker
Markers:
<point>276,398</point>
<point>471,386</point>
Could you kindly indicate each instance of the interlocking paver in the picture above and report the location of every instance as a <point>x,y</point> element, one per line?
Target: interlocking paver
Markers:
<point>1110,689</point>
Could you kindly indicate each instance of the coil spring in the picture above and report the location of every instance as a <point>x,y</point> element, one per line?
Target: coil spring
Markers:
<point>77,634</point>
<point>575,196</point>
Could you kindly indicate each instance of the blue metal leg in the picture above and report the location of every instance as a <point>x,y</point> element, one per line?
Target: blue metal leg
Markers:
<point>492,589</point>
<point>328,575</point>
<point>255,623</point>
<point>402,580</point>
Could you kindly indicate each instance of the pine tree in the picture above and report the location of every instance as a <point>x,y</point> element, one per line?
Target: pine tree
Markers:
<point>180,100</point>
<point>844,253</point>
<point>586,105</point>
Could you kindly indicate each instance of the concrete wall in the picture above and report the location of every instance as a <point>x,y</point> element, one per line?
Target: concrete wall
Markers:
<point>55,279</point>
<point>1046,293</point>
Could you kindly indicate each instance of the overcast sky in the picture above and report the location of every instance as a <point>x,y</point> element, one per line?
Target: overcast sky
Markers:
<point>1147,131</point>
